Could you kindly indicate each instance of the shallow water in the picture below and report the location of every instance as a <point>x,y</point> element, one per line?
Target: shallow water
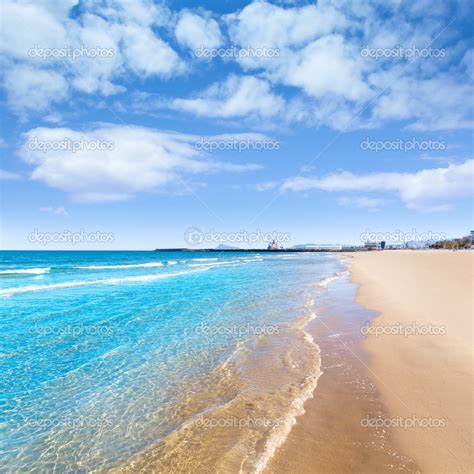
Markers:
<point>122,360</point>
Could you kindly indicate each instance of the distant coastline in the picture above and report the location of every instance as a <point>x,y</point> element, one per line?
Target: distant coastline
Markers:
<point>258,250</point>
<point>250,250</point>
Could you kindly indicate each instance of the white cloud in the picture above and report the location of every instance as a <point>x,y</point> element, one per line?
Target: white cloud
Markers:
<point>262,24</point>
<point>33,83</point>
<point>194,31</point>
<point>53,118</point>
<point>146,54</point>
<point>235,97</point>
<point>324,67</point>
<point>59,211</point>
<point>94,75</point>
<point>319,71</point>
<point>141,12</point>
<point>320,54</point>
<point>115,162</point>
<point>429,189</point>
<point>25,25</point>
<point>310,53</point>
<point>265,186</point>
<point>33,89</point>
<point>421,100</point>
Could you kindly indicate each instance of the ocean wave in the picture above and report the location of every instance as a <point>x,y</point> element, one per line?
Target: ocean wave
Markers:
<point>132,265</point>
<point>212,264</point>
<point>279,435</point>
<point>205,259</point>
<point>234,384</point>
<point>106,281</point>
<point>25,271</point>
<point>250,260</point>
<point>172,262</point>
<point>326,281</point>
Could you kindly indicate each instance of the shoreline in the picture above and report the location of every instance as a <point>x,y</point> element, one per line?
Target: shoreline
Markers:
<point>328,436</point>
<point>424,376</point>
<point>266,382</point>
<point>405,397</point>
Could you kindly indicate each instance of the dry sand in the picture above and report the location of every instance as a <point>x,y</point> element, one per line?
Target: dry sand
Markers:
<point>424,376</point>
<point>425,379</point>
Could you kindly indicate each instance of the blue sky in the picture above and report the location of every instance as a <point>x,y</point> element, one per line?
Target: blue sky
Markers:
<point>328,118</point>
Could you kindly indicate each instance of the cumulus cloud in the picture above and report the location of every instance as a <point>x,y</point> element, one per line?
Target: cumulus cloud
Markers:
<point>146,54</point>
<point>115,162</point>
<point>25,25</point>
<point>194,31</point>
<point>419,100</point>
<point>325,66</point>
<point>262,24</point>
<point>316,64</point>
<point>33,89</point>
<point>428,189</point>
<point>122,31</point>
<point>265,186</point>
<point>320,53</point>
<point>141,12</point>
<point>235,97</point>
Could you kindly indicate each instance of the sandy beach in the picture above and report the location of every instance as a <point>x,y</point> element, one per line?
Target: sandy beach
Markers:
<point>404,399</point>
<point>428,374</point>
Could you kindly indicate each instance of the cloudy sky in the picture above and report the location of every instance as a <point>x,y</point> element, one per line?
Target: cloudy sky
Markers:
<point>319,119</point>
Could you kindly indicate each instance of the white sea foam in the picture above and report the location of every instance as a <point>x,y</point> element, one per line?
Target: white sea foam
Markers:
<point>280,433</point>
<point>172,262</point>
<point>133,265</point>
<point>106,281</point>
<point>212,264</point>
<point>205,259</point>
<point>25,271</point>
<point>326,281</point>
<point>251,259</point>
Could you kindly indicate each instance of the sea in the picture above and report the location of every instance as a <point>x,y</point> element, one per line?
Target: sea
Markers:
<point>164,361</point>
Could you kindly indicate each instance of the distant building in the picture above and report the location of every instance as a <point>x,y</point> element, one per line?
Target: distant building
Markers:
<point>273,245</point>
<point>371,245</point>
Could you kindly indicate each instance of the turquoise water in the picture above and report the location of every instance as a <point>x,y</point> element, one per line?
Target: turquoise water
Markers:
<point>100,348</point>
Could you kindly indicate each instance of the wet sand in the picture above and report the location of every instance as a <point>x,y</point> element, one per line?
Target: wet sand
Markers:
<point>427,375</point>
<point>366,378</point>
<point>329,437</point>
